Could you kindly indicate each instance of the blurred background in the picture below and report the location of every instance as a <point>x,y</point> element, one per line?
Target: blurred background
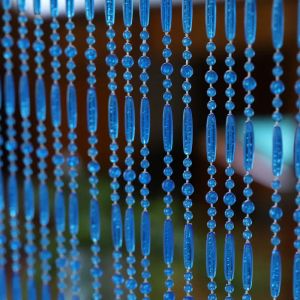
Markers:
<point>263,131</point>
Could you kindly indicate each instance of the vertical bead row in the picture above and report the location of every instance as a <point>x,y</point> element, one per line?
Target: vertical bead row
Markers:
<point>211,77</point>
<point>144,63</point>
<point>73,159</point>
<point>277,88</point>
<point>229,198</point>
<point>114,171</point>
<point>249,84</point>
<point>168,184</point>
<point>187,188</point>
<point>93,165</point>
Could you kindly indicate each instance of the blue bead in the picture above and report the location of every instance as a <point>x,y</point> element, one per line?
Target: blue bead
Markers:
<point>186,71</point>
<point>167,69</point>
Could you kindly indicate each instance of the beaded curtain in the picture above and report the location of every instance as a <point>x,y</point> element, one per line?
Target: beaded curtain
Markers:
<point>139,213</point>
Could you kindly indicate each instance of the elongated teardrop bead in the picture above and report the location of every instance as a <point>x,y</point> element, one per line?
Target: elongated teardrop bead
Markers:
<point>211,137</point>
<point>44,204</point>
<point>296,277</point>
<point>248,145</point>
<point>210,18</point>
<point>89,9</point>
<point>297,152</point>
<point>28,199</point>
<point>230,19</point>
<point>24,96</point>
<point>277,23</point>
<point>55,105</point>
<point>127,12</point>
<point>94,220</point>
<point>21,5</point>
<point>70,9</point>
<point>16,286</point>
<point>3,284</point>
<point>247,266</point>
<point>72,106</point>
<point>166,15</point>
<point>188,246</point>
<point>92,110</point>
<point>275,278</point>
<point>40,98</point>
<point>298,26</point>
<point>145,121</point>
<point>211,255</point>
<point>187,15</point>
<point>12,193</point>
<point>73,214</point>
<point>46,294</point>
<point>113,116</point>
<point>37,7</point>
<point>187,131</point>
<point>9,93</point>
<point>145,233</point>
<point>117,226</point>
<point>250,21</point>
<point>2,201</point>
<point>129,119</point>
<point>54,8</point>
<point>110,9</point>
<point>168,241</point>
<point>60,211</point>
<point>31,289</point>
<point>144,12</point>
<point>229,257</point>
<point>168,128</point>
<point>230,138</point>
<point>129,230</point>
<point>277,153</point>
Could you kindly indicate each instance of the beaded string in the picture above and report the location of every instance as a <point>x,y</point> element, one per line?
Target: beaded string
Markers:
<point>277,88</point>
<point>187,142</point>
<point>114,171</point>
<point>249,84</point>
<point>168,184</point>
<point>93,165</point>
<point>144,63</point>
<point>129,174</point>
<point>211,77</point>
<point>73,159</point>
<point>229,198</point>
<point>27,149</point>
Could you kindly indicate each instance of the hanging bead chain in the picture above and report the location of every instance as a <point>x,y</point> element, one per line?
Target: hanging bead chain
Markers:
<point>229,198</point>
<point>168,184</point>
<point>114,171</point>
<point>211,77</point>
<point>93,165</point>
<point>249,84</point>
<point>277,88</point>
<point>73,159</point>
<point>144,63</point>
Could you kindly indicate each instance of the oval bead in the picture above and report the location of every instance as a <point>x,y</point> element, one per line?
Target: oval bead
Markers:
<point>145,233</point>
<point>37,7</point>
<point>40,99</point>
<point>9,93</point>
<point>247,267</point>
<point>127,12</point>
<point>230,138</point>
<point>24,96</point>
<point>277,23</point>
<point>187,15</point>
<point>70,8</point>
<point>73,214</point>
<point>92,110</point>
<point>116,226</point>
<point>168,128</point>
<point>3,283</point>
<point>210,18</point>
<point>113,117</point>
<point>89,9</point>
<point>110,11</point>
<point>55,105</point>
<point>6,4</point>
<point>230,19</point>
<point>12,194</point>
<point>72,106</point>
<point>129,230</point>
<point>211,137</point>
<point>249,145</point>
<point>60,211</point>
<point>168,241</point>
<point>145,121</point>
<point>169,296</point>
<point>129,119</point>
<point>54,8</point>
<point>277,151</point>
<point>144,12</point>
<point>187,131</point>
<point>250,23</point>
<point>296,277</point>
<point>229,257</point>
<point>2,201</point>
<point>297,152</point>
<point>166,15</point>
<point>188,246</point>
<point>275,271</point>
<point>94,220</point>
<point>44,214</point>
<point>211,255</point>
<point>28,194</point>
